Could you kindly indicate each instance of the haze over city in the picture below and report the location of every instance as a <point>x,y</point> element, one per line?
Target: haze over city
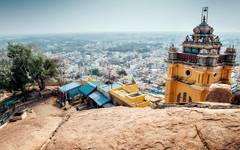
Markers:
<point>75,73</point>
<point>73,16</point>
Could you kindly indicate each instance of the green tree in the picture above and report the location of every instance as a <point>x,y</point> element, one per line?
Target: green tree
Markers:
<point>95,72</point>
<point>122,72</point>
<point>20,57</point>
<point>27,68</point>
<point>42,69</point>
<point>5,74</point>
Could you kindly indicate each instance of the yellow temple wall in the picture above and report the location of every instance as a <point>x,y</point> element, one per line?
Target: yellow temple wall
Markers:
<point>226,73</point>
<point>179,87</point>
<point>200,78</point>
<point>200,75</point>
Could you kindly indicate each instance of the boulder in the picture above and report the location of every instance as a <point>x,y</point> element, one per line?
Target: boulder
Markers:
<point>236,99</point>
<point>219,93</point>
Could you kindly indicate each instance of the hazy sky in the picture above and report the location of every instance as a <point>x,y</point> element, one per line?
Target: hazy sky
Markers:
<point>60,16</point>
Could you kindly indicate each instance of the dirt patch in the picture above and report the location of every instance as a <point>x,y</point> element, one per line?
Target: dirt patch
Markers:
<point>32,131</point>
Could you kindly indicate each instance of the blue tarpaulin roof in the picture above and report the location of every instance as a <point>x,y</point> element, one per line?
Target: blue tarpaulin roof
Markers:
<point>86,89</point>
<point>99,98</point>
<point>67,87</point>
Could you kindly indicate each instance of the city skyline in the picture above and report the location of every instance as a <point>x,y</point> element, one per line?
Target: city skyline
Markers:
<point>82,16</point>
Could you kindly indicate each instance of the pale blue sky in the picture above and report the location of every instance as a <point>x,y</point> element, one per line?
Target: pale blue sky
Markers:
<point>61,16</point>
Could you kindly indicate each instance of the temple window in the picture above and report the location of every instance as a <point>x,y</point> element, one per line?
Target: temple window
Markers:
<point>187,72</point>
<point>179,97</point>
<point>195,50</point>
<point>209,61</point>
<point>187,50</point>
<point>189,99</point>
<point>203,61</point>
<point>215,74</point>
<point>200,61</point>
<point>214,62</point>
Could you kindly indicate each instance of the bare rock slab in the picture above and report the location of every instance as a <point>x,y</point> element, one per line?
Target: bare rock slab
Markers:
<point>145,128</point>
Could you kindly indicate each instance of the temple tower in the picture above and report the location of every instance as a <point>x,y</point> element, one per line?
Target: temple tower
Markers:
<point>198,65</point>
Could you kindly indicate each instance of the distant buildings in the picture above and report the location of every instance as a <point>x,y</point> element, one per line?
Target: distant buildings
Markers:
<point>141,55</point>
<point>146,67</point>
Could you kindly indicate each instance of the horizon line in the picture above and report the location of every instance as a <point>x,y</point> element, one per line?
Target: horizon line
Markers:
<point>102,32</point>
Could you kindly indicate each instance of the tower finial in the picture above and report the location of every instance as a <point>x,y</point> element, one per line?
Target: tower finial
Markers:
<point>204,17</point>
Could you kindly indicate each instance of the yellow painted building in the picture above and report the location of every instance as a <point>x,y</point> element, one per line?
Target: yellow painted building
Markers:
<point>123,94</point>
<point>129,95</point>
<point>200,64</point>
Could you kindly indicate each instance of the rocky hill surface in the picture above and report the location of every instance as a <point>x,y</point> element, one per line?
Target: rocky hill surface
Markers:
<point>132,128</point>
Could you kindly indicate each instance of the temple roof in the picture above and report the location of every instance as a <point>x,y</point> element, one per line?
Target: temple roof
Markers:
<point>202,47</point>
<point>202,37</point>
<point>203,28</point>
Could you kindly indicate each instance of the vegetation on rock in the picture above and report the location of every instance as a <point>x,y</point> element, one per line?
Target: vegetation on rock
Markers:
<point>22,67</point>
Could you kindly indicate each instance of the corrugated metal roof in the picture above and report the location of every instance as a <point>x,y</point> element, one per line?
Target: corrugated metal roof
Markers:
<point>67,87</point>
<point>74,92</point>
<point>109,87</point>
<point>99,98</point>
<point>86,89</point>
<point>96,84</point>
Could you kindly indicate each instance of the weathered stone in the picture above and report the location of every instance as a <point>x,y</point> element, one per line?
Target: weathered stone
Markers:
<point>236,99</point>
<point>145,128</point>
<point>219,93</point>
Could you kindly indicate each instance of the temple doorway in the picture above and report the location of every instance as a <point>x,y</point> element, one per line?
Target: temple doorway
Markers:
<point>183,98</point>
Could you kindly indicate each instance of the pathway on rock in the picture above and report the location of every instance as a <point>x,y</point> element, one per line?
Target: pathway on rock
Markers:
<point>31,132</point>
